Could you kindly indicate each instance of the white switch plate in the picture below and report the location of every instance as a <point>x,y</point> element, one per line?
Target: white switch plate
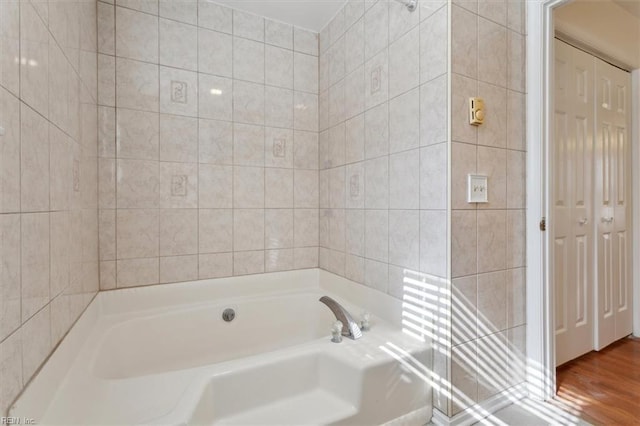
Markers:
<point>478,189</point>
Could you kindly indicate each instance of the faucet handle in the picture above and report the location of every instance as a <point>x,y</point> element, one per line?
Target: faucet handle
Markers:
<point>336,332</point>
<point>365,324</point>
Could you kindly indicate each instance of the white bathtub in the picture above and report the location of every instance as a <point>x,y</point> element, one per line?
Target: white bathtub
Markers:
<point>163,355</point>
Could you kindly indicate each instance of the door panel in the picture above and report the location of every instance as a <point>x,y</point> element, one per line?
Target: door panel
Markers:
<point>572,192</point>
<point>613,303</point>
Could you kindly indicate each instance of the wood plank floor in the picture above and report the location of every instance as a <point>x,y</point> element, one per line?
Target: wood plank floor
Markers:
<point>604,386</point>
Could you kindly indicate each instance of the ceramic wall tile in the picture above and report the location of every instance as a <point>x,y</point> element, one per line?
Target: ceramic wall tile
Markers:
<point>305,150</point>
<point>137,134</point>
<point>404,238</point>
<point>248,25</point>
<point>36,342</point>
<point>377,183</point>
<point>278,188</point>
<point>215,53</point>
<point>178,232</point>
<point>10,42</point>
<point>10,153</point>
<point>137,85</point>
<point>248,262</point>
<point>305,114</point>
<point>248,187</point>
<point>492,162</point>
<point>147,6</point>
<point>215,141</point>
<point>136,35</point>
<point>35,267</point>
<point>404,180</point>
<point>278,34</point>
<point>376,29</point>
<point>178,92</point>
<point>248,145</point>
<point>215,97</point>
<point>433,112</point>
<point>34,161</point>
<point>354,139</point>
<point>215,189</point>
<point>278,147</point>
<point>182,11</point>
<point>10,274</point>
<point>215,230</point>
<point>248,60</point>
<point>137,184</point>
<point>491,240</point>
<point>305,41</point>
<point>215,17</point>
<point>248,102</point>
<point>354,46</point>
<point>404,64</point>
<point>106,80</point>
<point>137,272</point>
<point>278,107</point>
<point>137,233</point>
<point>178,138</point>
<point>278,66</point>
<point>178,268</point>
<point>215,265</point>
<point>178,44</point>
<point>278,229</point>
<point>404,121</point>
<point>34,44</point>
<point>305,227</point>
<point>305,72</point>
<point>433,46</point>
<point>492,71</point>
<point>248,229</point>
<point>178,185</point>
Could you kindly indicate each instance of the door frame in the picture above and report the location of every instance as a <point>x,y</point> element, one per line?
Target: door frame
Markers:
<point>540,353</point>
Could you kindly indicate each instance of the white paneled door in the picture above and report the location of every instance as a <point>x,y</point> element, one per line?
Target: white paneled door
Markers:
<point>572,186</point>
<point>590,226</point>
<point>612,204</point>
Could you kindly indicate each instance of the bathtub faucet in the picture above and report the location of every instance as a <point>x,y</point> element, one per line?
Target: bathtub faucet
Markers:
<point>349,326</point>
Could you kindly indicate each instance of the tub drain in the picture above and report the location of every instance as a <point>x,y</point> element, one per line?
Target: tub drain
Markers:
<point>228,315</point>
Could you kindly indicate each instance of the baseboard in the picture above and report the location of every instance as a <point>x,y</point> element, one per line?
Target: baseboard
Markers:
<point>479,411</point>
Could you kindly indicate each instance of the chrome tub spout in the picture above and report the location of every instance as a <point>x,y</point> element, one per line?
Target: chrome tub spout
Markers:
<point>349,326</point>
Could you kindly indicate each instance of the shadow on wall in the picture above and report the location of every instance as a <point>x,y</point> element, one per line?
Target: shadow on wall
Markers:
<point>428,310</point>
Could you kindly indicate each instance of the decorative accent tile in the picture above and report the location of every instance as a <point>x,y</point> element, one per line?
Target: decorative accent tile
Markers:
<point>179,185</point>
<point>279,147</point>
<point>376,79</point>
<point>354,186</point>
<point>179,92</point>
<point>76,175</point>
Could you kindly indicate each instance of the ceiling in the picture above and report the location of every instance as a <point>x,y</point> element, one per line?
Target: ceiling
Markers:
<point>309,14</point>
<point>631,6</point>
<point>610,28</point>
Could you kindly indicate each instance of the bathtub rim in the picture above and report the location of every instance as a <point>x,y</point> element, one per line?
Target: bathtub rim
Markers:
<point>35,399</point>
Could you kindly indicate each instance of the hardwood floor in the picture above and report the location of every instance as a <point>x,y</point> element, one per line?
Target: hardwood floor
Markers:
<point>603,386</point>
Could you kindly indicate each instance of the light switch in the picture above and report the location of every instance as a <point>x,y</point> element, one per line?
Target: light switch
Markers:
<point>1,131</point>
<point>476,111</point>
<point>478,189</point>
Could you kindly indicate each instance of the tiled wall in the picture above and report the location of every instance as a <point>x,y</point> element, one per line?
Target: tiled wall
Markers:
<point>48,180</point>
<point>488,240</point>
<point>208,143</point>
<point>387,139</point>
<point>383,150</point>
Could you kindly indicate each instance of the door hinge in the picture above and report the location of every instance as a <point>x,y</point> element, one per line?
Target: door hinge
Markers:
<point>543,224</point>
